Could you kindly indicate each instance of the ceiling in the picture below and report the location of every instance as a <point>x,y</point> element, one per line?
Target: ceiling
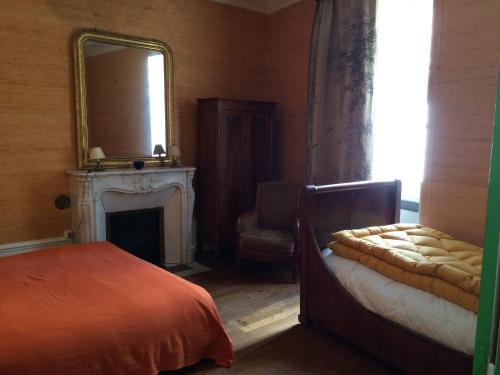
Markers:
<point>262,6</point>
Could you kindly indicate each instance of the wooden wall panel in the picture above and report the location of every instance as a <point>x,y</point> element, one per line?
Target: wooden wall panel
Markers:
<point>465,58</point>
<point>218,51</point>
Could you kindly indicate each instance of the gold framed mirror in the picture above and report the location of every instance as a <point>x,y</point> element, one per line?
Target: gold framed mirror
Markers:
<point>124,99</point>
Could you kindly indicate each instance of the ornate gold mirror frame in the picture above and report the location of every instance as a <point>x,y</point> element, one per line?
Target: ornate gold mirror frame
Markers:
<point>80,39</point>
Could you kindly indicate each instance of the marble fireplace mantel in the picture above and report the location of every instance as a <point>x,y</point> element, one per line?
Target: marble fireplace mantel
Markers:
<point>93,194</point>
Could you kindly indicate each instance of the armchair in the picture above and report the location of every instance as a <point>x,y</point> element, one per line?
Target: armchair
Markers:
<point>269,232</point>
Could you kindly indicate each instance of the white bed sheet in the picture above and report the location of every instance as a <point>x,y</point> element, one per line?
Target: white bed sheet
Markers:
<point>419,311</point>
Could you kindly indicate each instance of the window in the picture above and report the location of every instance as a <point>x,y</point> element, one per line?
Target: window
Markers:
<point>404,29</point>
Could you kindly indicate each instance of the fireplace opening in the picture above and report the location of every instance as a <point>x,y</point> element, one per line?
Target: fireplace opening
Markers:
<point>140,232</point>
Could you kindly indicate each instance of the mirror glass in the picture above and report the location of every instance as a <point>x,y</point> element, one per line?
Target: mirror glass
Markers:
<point>124,99</point>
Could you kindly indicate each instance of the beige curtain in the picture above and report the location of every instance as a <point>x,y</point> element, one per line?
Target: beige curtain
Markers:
<point>339,144</point>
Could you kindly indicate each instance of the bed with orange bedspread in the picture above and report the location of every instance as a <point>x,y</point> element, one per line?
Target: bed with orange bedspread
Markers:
<point>95,309</point>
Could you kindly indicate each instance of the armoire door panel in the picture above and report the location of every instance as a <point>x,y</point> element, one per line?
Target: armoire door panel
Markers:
<point>207,146</point>
<point>260,145</point>
<point>232,159</point>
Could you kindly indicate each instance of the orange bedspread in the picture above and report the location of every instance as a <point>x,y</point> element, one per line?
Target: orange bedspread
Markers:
<point>95,309</point>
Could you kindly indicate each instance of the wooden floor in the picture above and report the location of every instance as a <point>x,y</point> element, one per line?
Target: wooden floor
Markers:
<point>260,311</point>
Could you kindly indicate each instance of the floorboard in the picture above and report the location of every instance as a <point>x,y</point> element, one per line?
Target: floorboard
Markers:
<point>259,311</point>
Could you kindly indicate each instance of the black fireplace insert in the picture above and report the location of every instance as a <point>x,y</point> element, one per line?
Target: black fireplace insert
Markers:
<point>140,232</point>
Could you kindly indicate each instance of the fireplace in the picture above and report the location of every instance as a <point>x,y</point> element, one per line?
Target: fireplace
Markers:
<point>140,232</point>
<point>97,194</point>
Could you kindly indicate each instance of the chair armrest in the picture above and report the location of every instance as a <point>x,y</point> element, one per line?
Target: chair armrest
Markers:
<point>247,221</point>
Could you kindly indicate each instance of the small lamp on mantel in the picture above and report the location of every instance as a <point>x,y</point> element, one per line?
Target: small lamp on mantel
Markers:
<point>176,154</point>
<point>96,154</point>
<point>159,150</point>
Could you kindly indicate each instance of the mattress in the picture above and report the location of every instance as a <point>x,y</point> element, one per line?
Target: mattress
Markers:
<point>417,256</point>
<point>96,309</point>
<point>417,310</point>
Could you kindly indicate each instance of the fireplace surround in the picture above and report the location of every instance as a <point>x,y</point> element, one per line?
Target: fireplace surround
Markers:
<point>95,194</point>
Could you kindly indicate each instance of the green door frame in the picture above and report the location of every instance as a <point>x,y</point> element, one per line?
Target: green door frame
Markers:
<point>488,291</point>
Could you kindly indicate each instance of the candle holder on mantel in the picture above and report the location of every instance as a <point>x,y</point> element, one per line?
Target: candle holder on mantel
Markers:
<point>159,150</point>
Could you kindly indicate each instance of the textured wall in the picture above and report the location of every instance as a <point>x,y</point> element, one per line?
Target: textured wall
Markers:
<point>225,51</point>
<point>218,51</point>
<point>465,58</point>
<point>288,67</point>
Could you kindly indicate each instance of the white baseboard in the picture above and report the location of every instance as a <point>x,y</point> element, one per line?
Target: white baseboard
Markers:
<point>26,246</point>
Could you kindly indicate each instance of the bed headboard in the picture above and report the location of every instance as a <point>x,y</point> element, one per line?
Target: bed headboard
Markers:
<point>330,208</point>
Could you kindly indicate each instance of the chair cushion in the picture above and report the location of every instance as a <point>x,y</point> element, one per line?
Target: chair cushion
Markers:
<point>267,240</point>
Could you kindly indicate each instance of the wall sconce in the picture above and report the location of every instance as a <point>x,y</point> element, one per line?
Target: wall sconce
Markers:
<point>176,154</point>
<point>97,154</point>
<point>159,150</point>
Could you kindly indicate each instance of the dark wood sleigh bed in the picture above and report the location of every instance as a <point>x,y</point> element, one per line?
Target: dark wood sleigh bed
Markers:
<point>323,300</point>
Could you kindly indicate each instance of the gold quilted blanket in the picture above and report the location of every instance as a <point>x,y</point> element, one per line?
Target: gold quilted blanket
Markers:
<point>417,256</point>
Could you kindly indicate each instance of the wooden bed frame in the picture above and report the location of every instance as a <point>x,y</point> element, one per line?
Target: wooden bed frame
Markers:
<point>327,209</point>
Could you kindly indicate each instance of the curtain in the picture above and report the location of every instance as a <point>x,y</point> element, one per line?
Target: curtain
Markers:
<point>339,139</point>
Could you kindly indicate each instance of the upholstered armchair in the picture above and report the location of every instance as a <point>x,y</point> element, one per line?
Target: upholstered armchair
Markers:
<point>269,232</point>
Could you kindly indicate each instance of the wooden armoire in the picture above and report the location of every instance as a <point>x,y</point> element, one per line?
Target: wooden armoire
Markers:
<point>234,154</point>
